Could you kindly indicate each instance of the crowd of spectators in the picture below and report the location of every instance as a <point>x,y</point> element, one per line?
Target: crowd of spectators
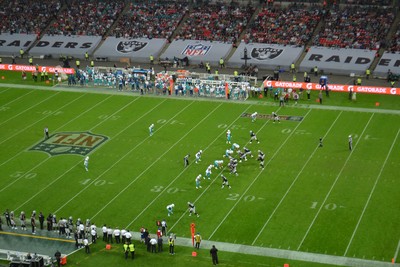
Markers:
<point>355,27</point>
<point>290,25</point>
<point>216,22</point>
<point>87,17</point>
<point>367,2</point>
<point>395,41</point>
<point>149,19</point>
<point>27,16</point>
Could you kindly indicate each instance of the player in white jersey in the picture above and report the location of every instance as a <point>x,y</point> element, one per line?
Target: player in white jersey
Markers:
<point>170,209</point>
<point>151,129</point>
<point>198,179</point>
<point>228,136</point>
<point>253,117</point>
<point>86,163</point>
<point>218,164</point>
<point>208,172</point>
<point>228,153</point>
<point>235,147</point>
<point>260,158</point>
<point>198,156</point>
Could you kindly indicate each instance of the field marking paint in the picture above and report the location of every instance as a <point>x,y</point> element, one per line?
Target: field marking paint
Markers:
<point>30,125</point>
<point>16,99</point>
<point>396,252</point>
<point>334,183</point>
<point>80,162</point>
<point>372,191</point>
<point>37,237</point>
<point>294,181</point>
<point>258,175</point>
<point>31,107</point>
<point>80,115</point>
<point>179,175</point>
<point>155,161</point>
<point>5,90</point>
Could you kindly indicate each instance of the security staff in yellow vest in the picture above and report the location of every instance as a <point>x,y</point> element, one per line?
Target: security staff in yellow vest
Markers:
<point>316,71</point>
<point>46,75</point>
<point>208,68</point>
<point>78,63</point>
<point>294,78</point>
<point>21,52</point>
<point>392,83</point>
<point>221,63</point>
<point>151,60</point>
<point>132,250</point>
<point>367,73</point>
<point>86,56</point>
<point>171,243</point>
<point>305,76</point>
<point>1,60</point>
<point>292,68</point>
<point>31,61</point>
<point>216,73</point>
<point>92,63</point>
<point>126,250</point>
<point>358,81</point>
<point>42,76</point>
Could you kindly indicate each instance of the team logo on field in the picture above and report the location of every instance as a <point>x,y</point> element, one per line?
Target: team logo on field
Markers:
<point>265,53</point>
<point>196,50</point>
<point>69,143</point>
<point>130,46</point>
<point>270,117</point>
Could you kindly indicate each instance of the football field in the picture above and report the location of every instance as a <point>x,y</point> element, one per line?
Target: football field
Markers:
<point>326,200</point>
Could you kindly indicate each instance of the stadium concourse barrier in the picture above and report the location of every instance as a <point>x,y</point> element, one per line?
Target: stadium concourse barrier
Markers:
<point>389,62</point>
<point>332,87</point>
<point>67,45</point>
<point>338,61</point>
<point>10,44</point>
<point>265,56</point>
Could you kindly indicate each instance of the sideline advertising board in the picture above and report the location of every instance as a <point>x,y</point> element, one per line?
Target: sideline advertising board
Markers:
<point>388,61</point>
<point>29,68</point>
<point>265,56</point>
<point>11,43</point>
<point>197,51</point>
<point>333,87</point>
<point>138,49</point>
<point>337,61</point>
<point>57,45</point>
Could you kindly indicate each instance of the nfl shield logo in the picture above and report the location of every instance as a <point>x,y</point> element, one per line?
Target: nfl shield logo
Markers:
<point>67,143</point>
<point>265,53</point>
<point>196,50</point>
<point>130,46</point>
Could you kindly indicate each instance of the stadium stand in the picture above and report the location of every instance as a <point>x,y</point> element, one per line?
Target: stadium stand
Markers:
<point>216,22</point>
<point>355,27</point>
<point>36,15</point>
<point>394,45</point>
<point>149,19</point>
<point>86,17</point>
<point>290,25</point>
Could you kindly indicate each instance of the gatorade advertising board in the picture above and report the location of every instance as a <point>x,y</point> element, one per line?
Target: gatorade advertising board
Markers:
<point>29,68</point>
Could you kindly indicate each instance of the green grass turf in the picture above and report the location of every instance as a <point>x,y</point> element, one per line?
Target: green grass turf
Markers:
<point>307,198</point>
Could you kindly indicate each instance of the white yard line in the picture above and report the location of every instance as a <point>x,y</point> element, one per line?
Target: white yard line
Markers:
<point>333,185</point>
<point>5,90</point>
<point>80,115</point>
<point>30,125</point>
<point>31,107</point>
<point>256,178</point>
<point>370,194</point>
<point>156,160</point>
<point>53,181</point>
<point>16,99</point>
<point>294,181</point>
<point>180,174</point>
<point>396,253</point>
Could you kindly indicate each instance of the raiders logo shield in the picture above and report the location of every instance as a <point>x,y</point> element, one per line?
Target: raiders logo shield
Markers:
<point>265,53</point>
<point>130,46</point>
<point>67,143</point>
